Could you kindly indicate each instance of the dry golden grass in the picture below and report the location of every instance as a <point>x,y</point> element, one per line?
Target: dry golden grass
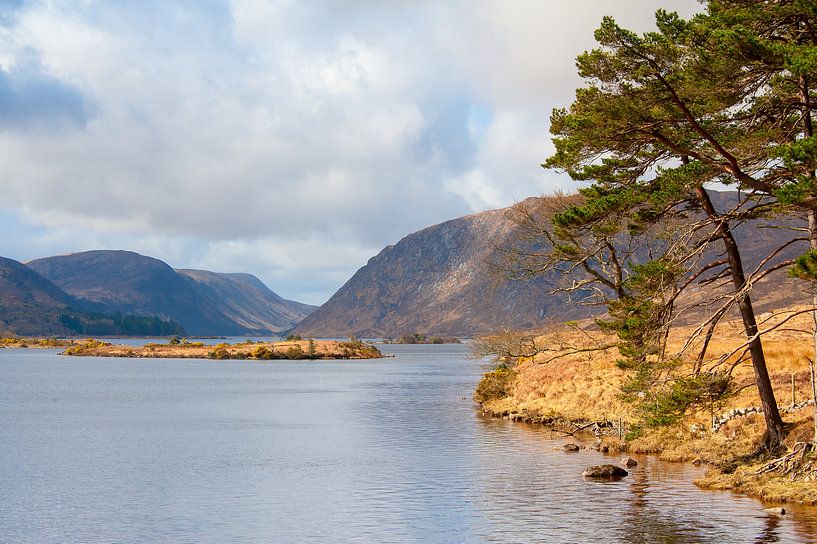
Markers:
<point>585,386</point>
<point>42,343</point>
<point>323,349</point>
<point>768,487</point>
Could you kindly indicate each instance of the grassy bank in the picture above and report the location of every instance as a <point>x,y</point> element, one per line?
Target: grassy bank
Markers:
<point>557,387</point>
<point>288,350</point>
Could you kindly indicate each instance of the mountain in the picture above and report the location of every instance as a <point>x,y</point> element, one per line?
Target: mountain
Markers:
<point>30,305</point>
<point>205,303</point>
<point>437,281</point>
<point>245,300</point>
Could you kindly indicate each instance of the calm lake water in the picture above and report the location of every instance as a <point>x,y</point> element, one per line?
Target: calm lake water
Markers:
<point>138,450</point>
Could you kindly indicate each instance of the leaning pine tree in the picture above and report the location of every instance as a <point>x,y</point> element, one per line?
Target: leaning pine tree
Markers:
<point>649,125</point>
<point>774,44</point>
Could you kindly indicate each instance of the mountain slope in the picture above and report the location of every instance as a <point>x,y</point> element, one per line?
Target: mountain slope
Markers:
<point>437,281</point>
<point>29,303</point>
<point>205,303</point>
<point>245,300</point>
<point>126,282</point>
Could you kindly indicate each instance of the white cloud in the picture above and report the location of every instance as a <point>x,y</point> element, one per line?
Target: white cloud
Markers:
<point>219,133</point>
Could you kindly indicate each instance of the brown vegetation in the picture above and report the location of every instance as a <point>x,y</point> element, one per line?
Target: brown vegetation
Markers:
<point>572,375</point>
<point>300,349</point>
<point>43,343</point>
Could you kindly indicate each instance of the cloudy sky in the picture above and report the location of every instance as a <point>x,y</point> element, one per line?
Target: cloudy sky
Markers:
<point>290,139</point>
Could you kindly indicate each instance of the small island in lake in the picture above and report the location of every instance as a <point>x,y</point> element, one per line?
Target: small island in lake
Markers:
<point>266,351</point>
<point>418,338</point>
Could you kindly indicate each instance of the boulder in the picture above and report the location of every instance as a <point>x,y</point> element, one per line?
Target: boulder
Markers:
<point>571,447</point>
<point>628,462</point>
<point>607,472</point>
<point>779,511</point>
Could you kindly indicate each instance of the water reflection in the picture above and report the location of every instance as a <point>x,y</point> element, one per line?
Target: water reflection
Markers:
<point>355,451</point>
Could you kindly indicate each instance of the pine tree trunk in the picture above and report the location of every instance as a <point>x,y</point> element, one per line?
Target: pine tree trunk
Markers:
<point>808,128</point>
<point>812,230</point>
<point>773,437</point>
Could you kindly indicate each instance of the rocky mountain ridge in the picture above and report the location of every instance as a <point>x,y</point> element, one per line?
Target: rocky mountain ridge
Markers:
<point>437,281</point>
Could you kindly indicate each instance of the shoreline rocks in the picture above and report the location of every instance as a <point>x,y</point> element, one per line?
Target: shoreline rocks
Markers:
<point>604,472</point>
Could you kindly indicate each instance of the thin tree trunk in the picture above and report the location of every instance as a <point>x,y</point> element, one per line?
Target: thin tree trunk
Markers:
<point>812,229</point>
<point>808,128</point>
<point>773,437</point>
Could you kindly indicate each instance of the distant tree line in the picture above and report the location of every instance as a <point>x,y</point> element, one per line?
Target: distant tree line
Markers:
<point>97,324</point>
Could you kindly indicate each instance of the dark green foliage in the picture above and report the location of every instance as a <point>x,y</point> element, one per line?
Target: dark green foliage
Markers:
<point>667,405</point>
<point>293,338</point>
<point>805,266</point>
<point>96,324</point>
<point>418,338</point>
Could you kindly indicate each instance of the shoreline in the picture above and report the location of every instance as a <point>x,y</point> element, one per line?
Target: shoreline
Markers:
<point>723,473</point>
<point>560,386</point>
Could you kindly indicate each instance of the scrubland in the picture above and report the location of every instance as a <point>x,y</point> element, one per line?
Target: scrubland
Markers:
<point>571,376</point>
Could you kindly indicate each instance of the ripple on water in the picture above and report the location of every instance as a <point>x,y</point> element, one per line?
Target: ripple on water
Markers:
<point>357,451</point>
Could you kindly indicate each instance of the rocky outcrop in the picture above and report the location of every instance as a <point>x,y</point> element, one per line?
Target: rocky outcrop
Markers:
<point>604,472</point>
<point>437,281</point>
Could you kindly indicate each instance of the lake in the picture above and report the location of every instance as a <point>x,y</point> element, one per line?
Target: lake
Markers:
<point>390,450</point>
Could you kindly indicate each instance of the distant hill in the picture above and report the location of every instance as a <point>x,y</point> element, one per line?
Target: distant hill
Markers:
<point>245,300</point>
<point>436,281</point>
<point>30,305</point>
<point>205,303</point>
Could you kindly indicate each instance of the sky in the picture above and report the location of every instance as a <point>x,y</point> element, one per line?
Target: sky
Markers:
<point>289,139</point>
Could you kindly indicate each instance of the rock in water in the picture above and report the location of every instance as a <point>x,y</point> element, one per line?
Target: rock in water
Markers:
<point>628,462</point>
<point>571,447</point>
<point>779,510</point>
<point>608,472</point>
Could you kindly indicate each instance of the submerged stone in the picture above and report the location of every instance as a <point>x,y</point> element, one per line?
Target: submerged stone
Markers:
<point>628,462</point>
<point>608,472</point>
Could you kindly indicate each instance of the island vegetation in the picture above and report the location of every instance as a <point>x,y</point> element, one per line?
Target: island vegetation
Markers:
<point>182,349</point>
<point>418,338</point>
<point>679,361</point>
<point>28,342</point>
